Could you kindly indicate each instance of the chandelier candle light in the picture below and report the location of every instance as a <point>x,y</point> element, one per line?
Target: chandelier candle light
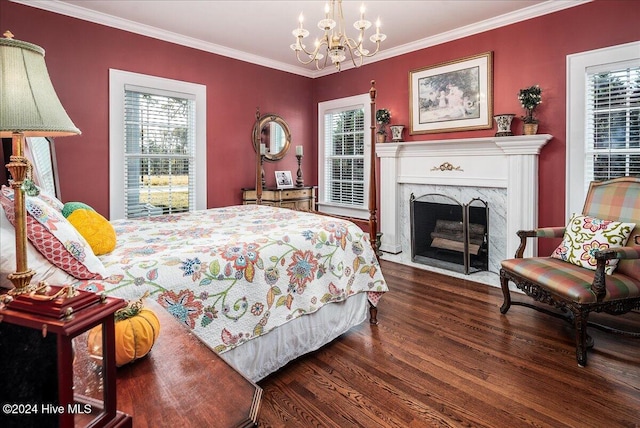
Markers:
<point>334,43</point>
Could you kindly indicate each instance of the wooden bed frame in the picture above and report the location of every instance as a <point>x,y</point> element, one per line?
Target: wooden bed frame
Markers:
<point>374,235</point>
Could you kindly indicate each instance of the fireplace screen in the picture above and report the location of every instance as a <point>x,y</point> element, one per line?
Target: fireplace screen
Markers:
<point>448,234</point>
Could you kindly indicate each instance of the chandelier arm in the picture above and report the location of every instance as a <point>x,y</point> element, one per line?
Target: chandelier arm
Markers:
<point>353,57</point>
<point>312,55</point>
<point>326,58</point>
<point>303,49</point>
<point>302,61</point>
<point>352,43</point>
<point>370,54</point>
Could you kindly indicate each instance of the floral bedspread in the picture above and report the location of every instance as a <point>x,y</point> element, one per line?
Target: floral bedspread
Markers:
<point>234,273</point>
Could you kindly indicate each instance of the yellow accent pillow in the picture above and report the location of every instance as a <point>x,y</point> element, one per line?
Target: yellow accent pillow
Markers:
<point>96,229</point>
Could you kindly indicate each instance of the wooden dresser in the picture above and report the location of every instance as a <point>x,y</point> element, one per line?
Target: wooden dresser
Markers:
<point>296,198</point>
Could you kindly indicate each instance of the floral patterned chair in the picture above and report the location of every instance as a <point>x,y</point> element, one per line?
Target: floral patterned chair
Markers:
<point>594,269</point>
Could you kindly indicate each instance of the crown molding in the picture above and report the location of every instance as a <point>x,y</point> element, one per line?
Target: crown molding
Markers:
<point>530,12</point>
<point>84,14</point>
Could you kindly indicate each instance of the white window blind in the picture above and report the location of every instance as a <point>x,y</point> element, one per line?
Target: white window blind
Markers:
<point>612,121</point>
<point>344,136</point>
<point>159,152</point>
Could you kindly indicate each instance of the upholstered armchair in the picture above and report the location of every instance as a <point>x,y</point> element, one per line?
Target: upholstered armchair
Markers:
<point>596,268</point>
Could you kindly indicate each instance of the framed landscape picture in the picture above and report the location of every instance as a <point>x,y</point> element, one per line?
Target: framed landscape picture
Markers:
<point>452,96</point>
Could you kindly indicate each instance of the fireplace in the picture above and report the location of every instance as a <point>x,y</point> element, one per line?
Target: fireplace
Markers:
<point>448,234</point>
<point>503,171</point>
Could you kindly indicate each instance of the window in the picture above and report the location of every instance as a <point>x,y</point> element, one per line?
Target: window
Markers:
<point>603,128</point>
<point>157,146</point>
<point>612,117</point>
<point>345,141</point>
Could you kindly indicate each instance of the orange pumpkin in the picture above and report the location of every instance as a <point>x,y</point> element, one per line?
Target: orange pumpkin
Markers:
<point>136,329</point>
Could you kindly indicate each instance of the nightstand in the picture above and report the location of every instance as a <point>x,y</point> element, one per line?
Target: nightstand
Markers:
<point>295,198</point>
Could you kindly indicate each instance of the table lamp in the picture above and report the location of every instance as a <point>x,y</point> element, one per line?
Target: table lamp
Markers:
<point>29,107</point>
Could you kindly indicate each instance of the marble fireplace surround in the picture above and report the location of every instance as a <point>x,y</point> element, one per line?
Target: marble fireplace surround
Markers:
<point>500,170</point>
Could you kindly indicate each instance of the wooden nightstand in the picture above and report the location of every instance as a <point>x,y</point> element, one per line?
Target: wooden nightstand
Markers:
<point>296,198</point>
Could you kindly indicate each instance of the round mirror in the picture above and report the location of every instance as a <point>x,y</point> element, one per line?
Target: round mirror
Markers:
<point>272,131</point>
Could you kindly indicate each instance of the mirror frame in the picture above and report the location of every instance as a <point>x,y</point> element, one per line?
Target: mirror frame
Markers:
<point>261,122</point>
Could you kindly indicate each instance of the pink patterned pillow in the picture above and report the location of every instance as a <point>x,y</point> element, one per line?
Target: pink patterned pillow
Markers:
<point>44,195</point>
<point>56,238</point>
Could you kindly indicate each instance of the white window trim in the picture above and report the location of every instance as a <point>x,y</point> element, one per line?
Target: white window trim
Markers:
<point>577,65</point>
<point>117,81</point>
<point>355,101</point>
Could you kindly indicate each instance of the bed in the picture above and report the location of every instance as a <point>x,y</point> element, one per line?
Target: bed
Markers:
<point>236,273</point>
<point>260,285</point>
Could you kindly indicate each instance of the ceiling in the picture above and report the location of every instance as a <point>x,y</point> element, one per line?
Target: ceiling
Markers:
<point>260,31</point>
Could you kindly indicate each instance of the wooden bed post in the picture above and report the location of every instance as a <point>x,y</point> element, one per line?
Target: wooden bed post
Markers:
<point>373,194</point>
<point>257,148</point>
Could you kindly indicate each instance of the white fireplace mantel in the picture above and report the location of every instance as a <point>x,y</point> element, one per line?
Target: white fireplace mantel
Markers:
<point>509,163</point>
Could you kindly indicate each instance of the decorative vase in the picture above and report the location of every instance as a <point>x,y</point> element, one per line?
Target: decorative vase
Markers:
<point>530,128</point>
<point>381,138</point>
<point>504,124</point>
<point>396,132</point>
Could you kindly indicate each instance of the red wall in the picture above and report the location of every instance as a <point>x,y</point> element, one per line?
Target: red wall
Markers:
<point>524,54</point>
<point>79,55</point>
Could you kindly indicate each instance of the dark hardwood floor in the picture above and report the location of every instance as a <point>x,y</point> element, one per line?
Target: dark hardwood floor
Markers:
<point>444,356</point>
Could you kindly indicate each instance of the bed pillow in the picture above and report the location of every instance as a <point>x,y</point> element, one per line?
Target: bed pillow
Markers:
<point>56,239</point>
<point>44,270</point>
<point>70,207</point>
<point>47,197</point>
<point>96,229</point>
<point>585,235</point>
<point>51,200</point>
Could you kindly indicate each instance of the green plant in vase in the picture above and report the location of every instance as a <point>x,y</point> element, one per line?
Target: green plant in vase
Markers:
<point>383,117</point>
<point>530,98</point>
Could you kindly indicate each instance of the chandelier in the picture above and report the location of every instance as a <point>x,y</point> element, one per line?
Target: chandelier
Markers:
<point>334,44</point>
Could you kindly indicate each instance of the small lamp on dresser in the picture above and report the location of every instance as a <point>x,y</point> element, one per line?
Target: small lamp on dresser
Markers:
<point>38,322</point>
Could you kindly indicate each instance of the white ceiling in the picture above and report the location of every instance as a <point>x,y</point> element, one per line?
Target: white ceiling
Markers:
<point>260,31</point>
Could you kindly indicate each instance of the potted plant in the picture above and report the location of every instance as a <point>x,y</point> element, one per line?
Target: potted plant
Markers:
<point>383,117</point>
<point>530,98</point>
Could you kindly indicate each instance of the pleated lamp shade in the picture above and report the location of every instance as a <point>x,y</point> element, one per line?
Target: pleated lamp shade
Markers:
<point>28,102</point>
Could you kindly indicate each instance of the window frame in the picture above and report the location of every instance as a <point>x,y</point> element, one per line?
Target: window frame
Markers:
<point>118,79</point>
<point>348,103</point>
<point>577,66</point>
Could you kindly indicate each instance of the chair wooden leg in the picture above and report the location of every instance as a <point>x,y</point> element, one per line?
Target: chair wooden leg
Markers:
<point>504,283</point>
<point>582,339</point>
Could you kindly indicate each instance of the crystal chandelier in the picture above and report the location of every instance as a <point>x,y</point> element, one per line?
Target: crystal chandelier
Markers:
<point>334,44</point>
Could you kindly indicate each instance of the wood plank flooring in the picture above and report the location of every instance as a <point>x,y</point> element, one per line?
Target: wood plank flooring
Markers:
<point>444,356</point>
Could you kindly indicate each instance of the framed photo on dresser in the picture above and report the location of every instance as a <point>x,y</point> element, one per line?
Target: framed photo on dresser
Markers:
<point>284,180</point>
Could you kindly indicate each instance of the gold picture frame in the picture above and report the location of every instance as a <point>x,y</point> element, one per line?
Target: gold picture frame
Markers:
<point>452,96</point>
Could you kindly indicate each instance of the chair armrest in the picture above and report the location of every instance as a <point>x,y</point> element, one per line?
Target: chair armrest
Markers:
<point>542,232</point>
<point>550,232</point>
<point>598,285</point>
<point>618,253</point>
